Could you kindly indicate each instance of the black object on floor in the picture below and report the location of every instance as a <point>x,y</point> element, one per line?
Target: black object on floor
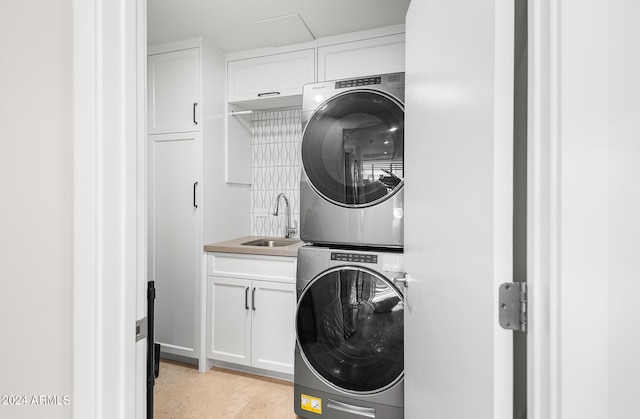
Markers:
<point>153,349</point>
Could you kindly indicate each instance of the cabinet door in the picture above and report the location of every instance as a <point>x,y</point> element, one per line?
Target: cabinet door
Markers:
<point>367,57</point>
<point>271,76</point>
<point>174,239</point>
<point>174,89</point>
<point>273,338</point>
<point>229,319</point>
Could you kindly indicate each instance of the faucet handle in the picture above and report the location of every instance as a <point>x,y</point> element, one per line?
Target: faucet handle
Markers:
<point>292,230</point>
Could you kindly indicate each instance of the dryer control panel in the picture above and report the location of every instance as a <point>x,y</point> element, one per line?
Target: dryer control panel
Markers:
<point>358,82</point>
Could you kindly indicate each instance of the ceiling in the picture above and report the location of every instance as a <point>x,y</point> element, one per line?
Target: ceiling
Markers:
<point>227,24</point>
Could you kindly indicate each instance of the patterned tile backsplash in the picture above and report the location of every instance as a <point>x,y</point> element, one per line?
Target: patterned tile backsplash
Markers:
<point>276,165</point>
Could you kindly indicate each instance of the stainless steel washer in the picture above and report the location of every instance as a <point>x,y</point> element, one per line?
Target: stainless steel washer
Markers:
<point>349,358</point>
<point>351,189</point>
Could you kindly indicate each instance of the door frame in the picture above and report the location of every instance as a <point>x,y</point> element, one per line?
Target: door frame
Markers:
<point>109,192</point>
<point>541,206</point>
<point>568,209</point>
<point>109,43</point>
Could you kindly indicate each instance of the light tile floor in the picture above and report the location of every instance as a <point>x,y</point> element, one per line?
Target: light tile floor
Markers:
<point>181,392</point>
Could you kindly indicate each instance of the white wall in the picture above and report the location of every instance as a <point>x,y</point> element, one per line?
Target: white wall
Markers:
<point>624,209</point>
<point>36,205</point>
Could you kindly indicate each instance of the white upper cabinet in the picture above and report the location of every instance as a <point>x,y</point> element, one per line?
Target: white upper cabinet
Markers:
<point>174,91</point>
<point>379,55</point>
<point>276,76</point>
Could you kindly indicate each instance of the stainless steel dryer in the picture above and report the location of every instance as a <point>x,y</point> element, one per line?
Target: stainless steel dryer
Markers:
<point>349,357</point>
<point>351,189</point>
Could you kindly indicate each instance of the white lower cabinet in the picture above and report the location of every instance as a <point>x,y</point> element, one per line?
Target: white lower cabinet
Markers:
<point>250,321</point>
<point>229,318</point>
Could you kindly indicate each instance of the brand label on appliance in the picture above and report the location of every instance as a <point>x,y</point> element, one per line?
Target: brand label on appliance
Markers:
<point>311,404</point>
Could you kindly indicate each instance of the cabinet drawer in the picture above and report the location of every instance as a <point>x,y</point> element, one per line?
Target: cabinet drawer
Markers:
<point>273,268</point>
<point>270,76</point>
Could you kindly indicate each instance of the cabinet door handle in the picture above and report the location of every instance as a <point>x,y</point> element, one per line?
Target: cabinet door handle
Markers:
<point>268,94</point>
<point>246,298</point>
<point>195,105</point>
<point>253,299</point>
<point>195,184</point>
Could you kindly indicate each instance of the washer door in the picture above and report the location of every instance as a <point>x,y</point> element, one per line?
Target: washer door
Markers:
<point>353,148</point>
<point>349,326</point>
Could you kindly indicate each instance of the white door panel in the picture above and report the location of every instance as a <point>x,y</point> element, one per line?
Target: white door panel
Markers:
<point>174,91</point>
<point>272,342</point>
<point>230,320</point>
<point>458,207</point>
<point>174,245</point>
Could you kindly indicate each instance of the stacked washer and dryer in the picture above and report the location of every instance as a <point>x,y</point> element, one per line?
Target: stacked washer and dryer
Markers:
<point>349,360</point>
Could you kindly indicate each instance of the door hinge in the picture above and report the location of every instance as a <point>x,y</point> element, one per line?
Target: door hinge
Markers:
<point>513,306</point>
<point>141,329</point>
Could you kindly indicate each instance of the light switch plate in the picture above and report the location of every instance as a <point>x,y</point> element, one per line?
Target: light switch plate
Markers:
<point>261,213</point>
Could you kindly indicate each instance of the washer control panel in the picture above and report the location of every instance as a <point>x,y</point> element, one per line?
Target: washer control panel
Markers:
<point>358,82</point>
<point>354,257</point>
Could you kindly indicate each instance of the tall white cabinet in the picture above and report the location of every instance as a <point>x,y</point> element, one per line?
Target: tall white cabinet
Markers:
<point>175,238</point>
<point>186,104</point>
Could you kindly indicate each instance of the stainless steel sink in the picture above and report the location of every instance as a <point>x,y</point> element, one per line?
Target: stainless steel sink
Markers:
<point>270,242</point>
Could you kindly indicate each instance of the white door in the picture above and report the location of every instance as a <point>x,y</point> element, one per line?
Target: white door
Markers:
<point>273,307</point>
<point>174,251</point>
<point>229,321</point>
<point>174,86</point>
<point>458,207</point>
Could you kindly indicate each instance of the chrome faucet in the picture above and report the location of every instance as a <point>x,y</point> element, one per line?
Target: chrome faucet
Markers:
<point>289,230</point>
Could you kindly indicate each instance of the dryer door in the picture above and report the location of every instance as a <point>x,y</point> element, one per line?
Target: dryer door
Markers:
<point>349,326</point>
<point>353,148</point>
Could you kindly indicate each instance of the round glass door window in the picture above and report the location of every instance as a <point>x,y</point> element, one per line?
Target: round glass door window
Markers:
<point>349,327</point>
<point>353,148</point>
